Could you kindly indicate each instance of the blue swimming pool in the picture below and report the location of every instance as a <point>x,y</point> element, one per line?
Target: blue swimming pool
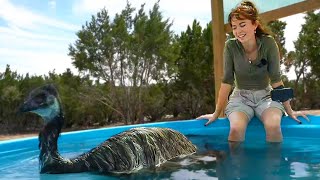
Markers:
<point>298,157</point>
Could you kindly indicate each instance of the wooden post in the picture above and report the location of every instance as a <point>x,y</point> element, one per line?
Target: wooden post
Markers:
<point>219,37</point>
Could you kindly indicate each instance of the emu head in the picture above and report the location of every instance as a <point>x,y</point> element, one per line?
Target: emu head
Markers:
<point>43,101</point>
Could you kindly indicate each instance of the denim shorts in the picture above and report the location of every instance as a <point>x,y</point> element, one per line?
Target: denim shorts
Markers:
<point>251,102</point>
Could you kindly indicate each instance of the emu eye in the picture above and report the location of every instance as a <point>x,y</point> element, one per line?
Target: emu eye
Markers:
<point>39,99</point>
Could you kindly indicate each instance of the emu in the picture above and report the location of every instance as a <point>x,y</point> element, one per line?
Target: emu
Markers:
<point>125,152</point>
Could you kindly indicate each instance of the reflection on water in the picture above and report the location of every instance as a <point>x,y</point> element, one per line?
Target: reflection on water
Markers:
<point>295,158</point>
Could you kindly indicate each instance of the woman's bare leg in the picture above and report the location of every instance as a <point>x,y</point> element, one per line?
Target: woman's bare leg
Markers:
<point>271,119</point>
<point>238,126</point>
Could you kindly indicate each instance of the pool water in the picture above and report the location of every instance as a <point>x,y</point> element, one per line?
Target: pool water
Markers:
<point>298,157</point>
<point>254,159</point>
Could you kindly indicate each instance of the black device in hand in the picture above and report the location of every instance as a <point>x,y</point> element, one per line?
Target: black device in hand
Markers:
<point>282,95</point>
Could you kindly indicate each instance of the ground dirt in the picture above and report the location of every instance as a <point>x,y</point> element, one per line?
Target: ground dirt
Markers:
<point>15,136</point>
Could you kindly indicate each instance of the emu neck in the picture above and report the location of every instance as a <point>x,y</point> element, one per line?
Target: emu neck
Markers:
<point>48,137</point>
<point>50,159</point>
<point>48,142</point>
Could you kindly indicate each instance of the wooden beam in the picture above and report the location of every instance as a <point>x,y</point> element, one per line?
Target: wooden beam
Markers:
<point>219,38</point>
<point>296,8</point>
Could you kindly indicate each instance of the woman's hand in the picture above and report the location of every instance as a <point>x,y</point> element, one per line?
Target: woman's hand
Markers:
<point>295,114</point>
<point>210,117</point>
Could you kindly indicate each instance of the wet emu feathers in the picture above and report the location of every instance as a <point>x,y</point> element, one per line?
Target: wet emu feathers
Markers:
<point>126,152</point>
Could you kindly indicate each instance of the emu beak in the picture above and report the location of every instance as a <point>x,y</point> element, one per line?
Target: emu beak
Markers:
<point>25,107</point>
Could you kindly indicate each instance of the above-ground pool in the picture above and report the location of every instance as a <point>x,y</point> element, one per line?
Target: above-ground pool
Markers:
<point>298,157</point>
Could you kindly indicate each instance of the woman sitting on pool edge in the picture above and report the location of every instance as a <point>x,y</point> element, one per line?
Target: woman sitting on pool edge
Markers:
<point>252,61</point>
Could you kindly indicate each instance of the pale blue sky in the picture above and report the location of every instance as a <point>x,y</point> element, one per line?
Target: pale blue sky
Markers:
<point>35,34</point>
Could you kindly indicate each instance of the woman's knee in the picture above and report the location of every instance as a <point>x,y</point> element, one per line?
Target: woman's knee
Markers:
<point>271,119</point>
<point>272,123</point>
<point>238,126</point>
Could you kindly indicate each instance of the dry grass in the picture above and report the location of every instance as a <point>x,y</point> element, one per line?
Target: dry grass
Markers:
<point>15,136</point>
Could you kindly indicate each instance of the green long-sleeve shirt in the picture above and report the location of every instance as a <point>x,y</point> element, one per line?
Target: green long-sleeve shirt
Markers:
<point>255,75</point>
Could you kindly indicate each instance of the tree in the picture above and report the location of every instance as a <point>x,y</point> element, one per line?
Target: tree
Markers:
<point>277,27</point>
<point>194,82</point>
<point>309,40</point>
<point>127,54</point>
<point>10,98</point>
<point>305,60</point>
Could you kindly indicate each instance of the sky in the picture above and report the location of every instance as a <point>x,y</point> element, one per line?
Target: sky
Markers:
<point>35,34</point>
